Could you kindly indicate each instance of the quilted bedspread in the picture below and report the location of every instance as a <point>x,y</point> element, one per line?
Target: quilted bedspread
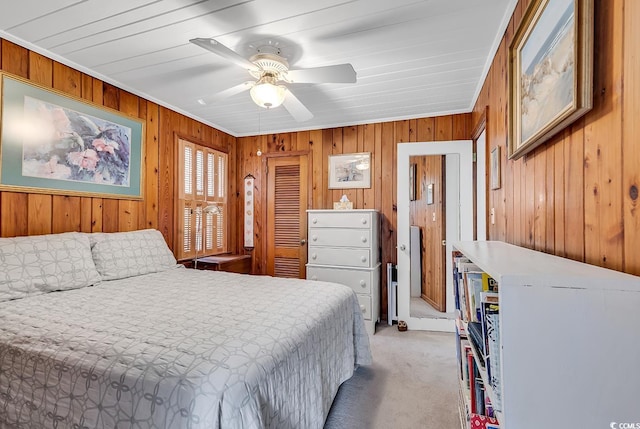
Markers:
<point>179,349</point>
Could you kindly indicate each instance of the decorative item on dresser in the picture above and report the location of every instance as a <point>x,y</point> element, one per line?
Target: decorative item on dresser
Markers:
<point>343,248</point>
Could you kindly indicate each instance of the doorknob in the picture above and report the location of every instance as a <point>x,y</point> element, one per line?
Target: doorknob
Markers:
<point>303,242</point>
<point>403,247</point>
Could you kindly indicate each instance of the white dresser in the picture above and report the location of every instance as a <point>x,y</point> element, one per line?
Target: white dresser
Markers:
<point>343,248</point>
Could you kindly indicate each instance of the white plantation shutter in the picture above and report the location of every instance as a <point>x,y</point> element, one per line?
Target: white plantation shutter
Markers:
<point>222,163</point>
<point>202,181</point>
<point>199,172</point>
<point>188,170</point>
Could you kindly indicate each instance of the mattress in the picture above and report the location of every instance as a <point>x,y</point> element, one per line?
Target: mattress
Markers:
<point>179,349</point>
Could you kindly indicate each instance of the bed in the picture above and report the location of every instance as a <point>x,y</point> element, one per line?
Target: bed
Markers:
<point>106,330</point>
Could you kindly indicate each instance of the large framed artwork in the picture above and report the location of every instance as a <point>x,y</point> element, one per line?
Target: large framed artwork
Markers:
<point>352,170</point>
<point>550,71</point>
<point>56,144</point>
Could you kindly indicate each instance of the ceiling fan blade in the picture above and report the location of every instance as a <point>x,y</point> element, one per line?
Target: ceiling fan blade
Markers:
<point>244,86</point>
<point>340,73</point>
<point>219,49</point>
<point>295,107</point>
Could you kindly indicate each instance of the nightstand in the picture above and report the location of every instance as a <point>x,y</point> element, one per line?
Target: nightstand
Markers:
<point>230,263</point>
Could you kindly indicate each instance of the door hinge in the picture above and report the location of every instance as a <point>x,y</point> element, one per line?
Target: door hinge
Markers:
<point>475,157</point>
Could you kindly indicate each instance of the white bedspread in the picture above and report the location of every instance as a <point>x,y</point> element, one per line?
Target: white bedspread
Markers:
<point>179,349</point>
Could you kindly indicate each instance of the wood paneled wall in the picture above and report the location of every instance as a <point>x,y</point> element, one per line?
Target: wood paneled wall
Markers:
<point>577,195</point>
<point>32,213</point>
<point>380,139</point>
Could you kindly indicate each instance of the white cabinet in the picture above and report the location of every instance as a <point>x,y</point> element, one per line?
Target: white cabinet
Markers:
<point>568,339</point>
<point>343,248</point>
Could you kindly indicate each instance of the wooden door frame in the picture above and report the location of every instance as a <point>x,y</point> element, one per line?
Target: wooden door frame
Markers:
<point>481,127</point>
<point>265,199</point>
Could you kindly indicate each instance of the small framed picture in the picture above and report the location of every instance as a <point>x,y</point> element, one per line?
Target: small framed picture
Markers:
<point>430,193</point>
<point>349,171</point>
<point>412,182</point>
<point>495,168</point>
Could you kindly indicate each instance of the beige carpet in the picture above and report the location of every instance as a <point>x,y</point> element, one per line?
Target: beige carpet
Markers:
<point>411,384</point>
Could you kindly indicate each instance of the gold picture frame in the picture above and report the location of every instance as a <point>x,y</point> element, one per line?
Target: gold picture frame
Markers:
<point>53,143</point>
<point>550,71</point>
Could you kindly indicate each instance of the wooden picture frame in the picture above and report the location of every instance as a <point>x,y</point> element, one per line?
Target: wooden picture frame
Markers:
<point>550,72</point>
<point>494,168</point>
<point>352,170</point>
<point>56,144</point>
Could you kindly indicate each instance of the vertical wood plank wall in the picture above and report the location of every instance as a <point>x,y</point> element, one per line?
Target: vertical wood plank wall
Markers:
<point>30,213</point>
<point>576,195</point>
<point>380,139</point>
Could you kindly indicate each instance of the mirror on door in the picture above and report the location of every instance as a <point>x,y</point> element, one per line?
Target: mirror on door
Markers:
<point>437,201</point>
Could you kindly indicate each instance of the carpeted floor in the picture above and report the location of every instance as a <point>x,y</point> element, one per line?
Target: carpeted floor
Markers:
<point>412,384</point>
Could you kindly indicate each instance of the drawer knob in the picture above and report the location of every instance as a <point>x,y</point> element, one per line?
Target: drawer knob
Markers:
<point>363,259</point>
<point>314,220</point>
<point>363,309</point>
<point>364,221</point>
<point>314,256</point>
<point>364,239</point>
<point>363,283</point>
<point>314,238</point>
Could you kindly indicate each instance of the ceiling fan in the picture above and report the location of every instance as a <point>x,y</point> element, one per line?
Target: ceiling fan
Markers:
<point>270,68</point>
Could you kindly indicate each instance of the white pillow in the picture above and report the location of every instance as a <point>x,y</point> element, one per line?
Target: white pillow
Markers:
<point>125,254</point>
<point>43,263</point>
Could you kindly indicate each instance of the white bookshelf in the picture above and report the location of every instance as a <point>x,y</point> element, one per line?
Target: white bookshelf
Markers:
<point>570,338</point>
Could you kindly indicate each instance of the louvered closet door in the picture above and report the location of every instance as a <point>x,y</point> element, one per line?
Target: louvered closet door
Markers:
<point>287,195</point>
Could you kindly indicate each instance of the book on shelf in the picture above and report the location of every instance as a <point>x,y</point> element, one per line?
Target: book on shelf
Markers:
<point>461,268</point>
<point>474,288</point>
<point>466,349</point>
<point>472,380</point>
<point>479,421</point>
<point>491,333</point>
<point>476,338</point>
<point>479,394</point>
<point>489,284</point>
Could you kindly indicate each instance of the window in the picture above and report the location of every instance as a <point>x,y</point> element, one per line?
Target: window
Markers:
<point>202,201</point>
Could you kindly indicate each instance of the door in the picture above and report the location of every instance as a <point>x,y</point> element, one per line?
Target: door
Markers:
<point>459,220</point>
<point>287,201</point>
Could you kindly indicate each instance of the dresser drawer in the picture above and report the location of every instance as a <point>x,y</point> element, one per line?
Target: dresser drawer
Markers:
<point>341,256</point>
<point>340,219</point>
<point>365,306</point>
<point>361,281</point>
<point>348,237</point>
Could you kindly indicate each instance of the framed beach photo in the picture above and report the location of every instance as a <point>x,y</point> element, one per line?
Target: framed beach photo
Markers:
<point>550,71</point>
<point>56,144</point>
<point>352,170</point>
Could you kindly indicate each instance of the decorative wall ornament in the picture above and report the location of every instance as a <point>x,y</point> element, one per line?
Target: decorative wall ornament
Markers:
<point>248,211</point>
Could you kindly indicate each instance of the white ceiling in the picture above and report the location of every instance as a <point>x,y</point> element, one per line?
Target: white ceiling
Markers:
<point>412,58</point>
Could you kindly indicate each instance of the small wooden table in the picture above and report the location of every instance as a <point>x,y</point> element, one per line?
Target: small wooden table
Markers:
<point>230,263</point>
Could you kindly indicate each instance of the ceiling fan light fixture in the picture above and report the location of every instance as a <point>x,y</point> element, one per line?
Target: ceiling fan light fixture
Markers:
<point>265,93</point>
